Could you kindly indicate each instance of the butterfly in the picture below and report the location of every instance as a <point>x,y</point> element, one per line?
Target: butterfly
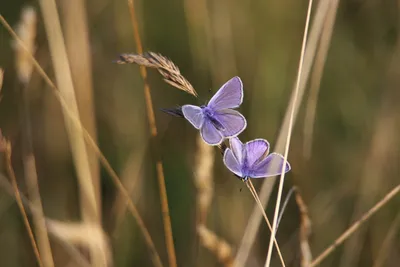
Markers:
<point>217,120</point>
<point>251,160</point>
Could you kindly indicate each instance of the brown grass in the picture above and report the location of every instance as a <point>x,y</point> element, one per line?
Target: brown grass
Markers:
<point>352,229</point>
<point>216,245</point>
<point>88,203</point>
<point>267,186</point>
<point>5,147</point>
<point>165,67</point>
<point>169,241</point>
<point>26,30</point>
<point>305,231</point>
<point>76,122</point>
<point>203,179</point>
<point>315,81</point>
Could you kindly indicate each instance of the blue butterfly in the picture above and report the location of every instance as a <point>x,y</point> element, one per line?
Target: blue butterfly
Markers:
<point>217,120</point>
<point>251,160</point>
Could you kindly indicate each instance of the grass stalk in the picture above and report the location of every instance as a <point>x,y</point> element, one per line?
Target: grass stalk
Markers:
<point>6,147</point>
<point>253,191</point>
<point>289,135</point>
<point>352,229</point>
<point>316,77</point>
<point>27,32</point>
<point>267,186</point>
<point>107,166</point>
<point>30,208</point>
<point>88,202</point>
<point>153,131</point>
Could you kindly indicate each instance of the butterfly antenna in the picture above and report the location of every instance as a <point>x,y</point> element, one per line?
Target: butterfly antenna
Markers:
<point>253,191</point>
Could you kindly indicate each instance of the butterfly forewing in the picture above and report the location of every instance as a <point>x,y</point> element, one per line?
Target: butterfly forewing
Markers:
<point>230,95</point>
<point>256,150</point>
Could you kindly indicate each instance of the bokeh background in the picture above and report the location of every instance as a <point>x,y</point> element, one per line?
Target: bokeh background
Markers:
<point>347,163</point>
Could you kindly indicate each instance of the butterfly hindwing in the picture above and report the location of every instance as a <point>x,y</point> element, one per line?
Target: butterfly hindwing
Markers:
<point>194,115</point>
<point>232,121</point>
<point>232,163</point>
<point>210,134</point>
<point>269,166</point>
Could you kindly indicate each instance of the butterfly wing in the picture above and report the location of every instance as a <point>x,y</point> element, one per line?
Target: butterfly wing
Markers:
<point>210,134</point>
<point>269,166</point>
<point>256,150</point>
<point>237,148</point>
<point>232,163</point>
<point>232,122</point>
<point>230,95</point>
<point>194,115</point>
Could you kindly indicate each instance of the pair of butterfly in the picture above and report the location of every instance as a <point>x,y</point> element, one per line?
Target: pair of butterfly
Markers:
<point>218,121</point>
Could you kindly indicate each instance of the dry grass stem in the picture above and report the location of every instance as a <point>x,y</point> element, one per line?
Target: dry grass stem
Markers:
<point>203,178</point>
<point>389,196</point>
<point>76,122</point>
<point>305,231</point>
<point>1,80</point>
<point>289,135</point>
<point>58,52</point>
<point>320,59</point>
<point>165,67</point>
<point>131,180</point>
<point>83,234</point>
<point>79,53</point>
<point>267,186</point>
<point>5,147</point>
<point>219,247</point>
<point>73,252</point>
<point>169,241</point>
<point>88,202</point>
<point>253,191</point>
<point>26,30</point>
<point>387,244</point>
<point>380,151</point>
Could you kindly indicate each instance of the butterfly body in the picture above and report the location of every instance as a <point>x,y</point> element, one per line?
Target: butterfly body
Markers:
<point>218,120</point>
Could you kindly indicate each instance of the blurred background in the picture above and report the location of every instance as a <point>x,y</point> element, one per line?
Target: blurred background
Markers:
<point>344,151</point>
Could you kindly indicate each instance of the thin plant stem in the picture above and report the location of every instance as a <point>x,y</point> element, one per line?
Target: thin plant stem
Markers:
<point>288,196</point>
<point>355,226</point>
<point>31,177</point>
<point>76,122</point>
<point>26,29</point>
<point>289,135</point>
<point>74,252</point>
<point>320,59</point>
<point>18,199</point>
<point>257,199</point>
<point>169,241</point>
<point>253,224</point>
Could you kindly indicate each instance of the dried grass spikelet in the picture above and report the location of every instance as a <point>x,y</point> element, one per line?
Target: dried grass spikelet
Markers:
<point>26,30</point>
<point>305,231</point>
<point>83,234</point>
<point>165,67</point>
<point>219,247</point>
<point>203,178</point>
